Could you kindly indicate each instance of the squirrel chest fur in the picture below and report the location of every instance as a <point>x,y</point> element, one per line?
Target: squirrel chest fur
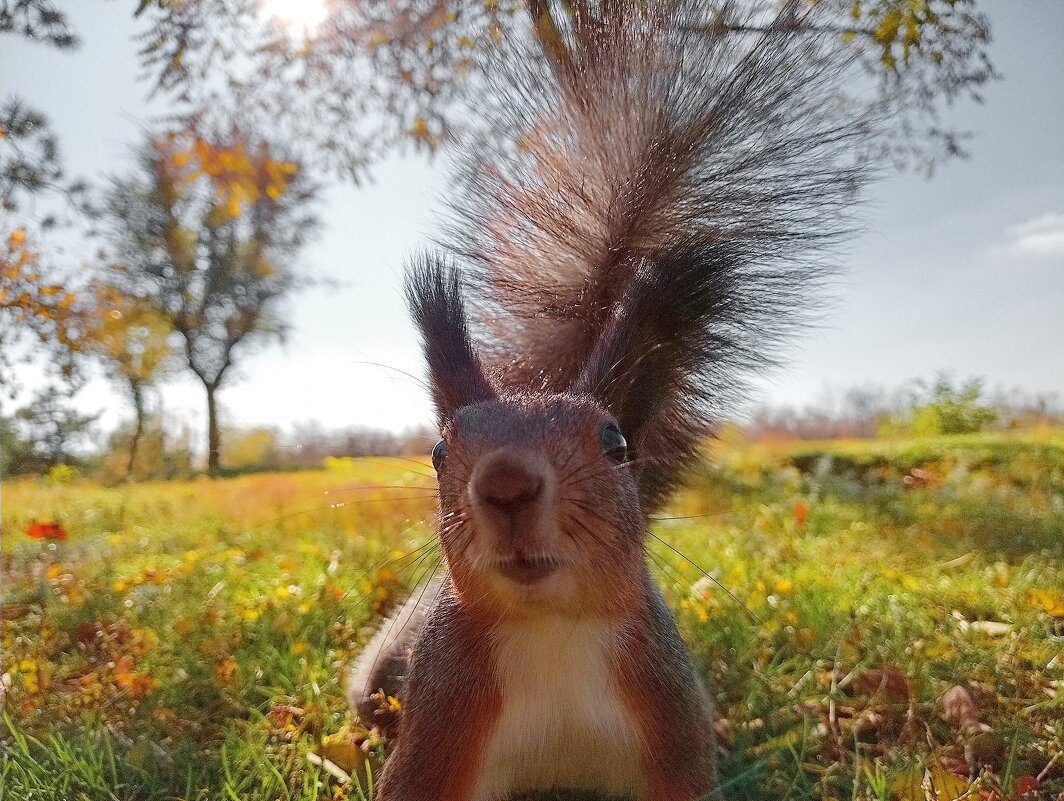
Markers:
<point>647,239</point>
<point>562,721</point>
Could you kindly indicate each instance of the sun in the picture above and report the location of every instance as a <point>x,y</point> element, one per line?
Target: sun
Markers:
<point>305,14</point>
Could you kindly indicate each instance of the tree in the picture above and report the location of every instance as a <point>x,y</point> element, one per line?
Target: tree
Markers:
<point>34,300</point>
<point>379,73</point>
<point>46,432</point>
<point>132,341</point>
<point>31,302</point>
<point>206,235</point>
<point>942,408</point>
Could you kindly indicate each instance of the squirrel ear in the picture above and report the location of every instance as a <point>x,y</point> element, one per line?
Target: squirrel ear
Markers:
<point>632,366</point>
<point>434,297</point>
<point>653,367</point>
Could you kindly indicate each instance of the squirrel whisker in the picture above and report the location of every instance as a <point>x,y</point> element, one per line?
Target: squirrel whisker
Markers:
<point>395,619</point>
<point>709,576</point>
<point>433,542</point>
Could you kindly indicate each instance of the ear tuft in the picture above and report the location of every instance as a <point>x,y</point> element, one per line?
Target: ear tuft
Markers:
<point>664,358</point>
<point>434,297</point>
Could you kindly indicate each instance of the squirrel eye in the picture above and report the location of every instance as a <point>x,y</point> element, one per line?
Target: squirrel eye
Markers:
<point>439,453</point>
<point>613,442</point>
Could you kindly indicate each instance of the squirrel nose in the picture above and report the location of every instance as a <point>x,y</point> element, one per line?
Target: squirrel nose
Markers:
<point>507,482</point>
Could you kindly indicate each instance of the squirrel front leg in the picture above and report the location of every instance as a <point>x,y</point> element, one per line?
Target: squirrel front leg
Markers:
<point>666,696</point>
<point>450,708</point>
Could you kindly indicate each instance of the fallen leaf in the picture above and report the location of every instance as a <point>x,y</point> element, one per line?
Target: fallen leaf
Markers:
<point>1050,602</point>
<point>329,767</point>
<point>1024,786</point>
<point>945,786</point>
<point>958,708</point>
<point>887,683</point>
<point>991,628</point>
<point>46,531</point>
<point>342,750</point>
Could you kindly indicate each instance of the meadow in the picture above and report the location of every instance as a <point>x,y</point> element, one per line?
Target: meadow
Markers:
<point>876,619</point>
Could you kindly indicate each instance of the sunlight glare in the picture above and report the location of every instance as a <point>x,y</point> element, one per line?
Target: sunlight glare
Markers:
<point>305,14</point>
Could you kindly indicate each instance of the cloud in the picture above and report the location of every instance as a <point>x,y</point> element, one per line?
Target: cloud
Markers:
<point>1040,236</point>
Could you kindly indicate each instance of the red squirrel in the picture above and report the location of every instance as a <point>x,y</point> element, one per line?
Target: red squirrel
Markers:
<point>659,221</point>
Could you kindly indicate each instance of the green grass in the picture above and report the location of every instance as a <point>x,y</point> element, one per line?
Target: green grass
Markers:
<point>188,639</point>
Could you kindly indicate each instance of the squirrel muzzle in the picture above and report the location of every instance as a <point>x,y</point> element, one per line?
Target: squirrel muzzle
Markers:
<point>513,499</point>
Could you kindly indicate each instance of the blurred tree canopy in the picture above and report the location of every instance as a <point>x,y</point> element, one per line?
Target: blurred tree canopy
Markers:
<point>34,298</point>
<point>33,302</point>
<point>382,73</point>
<point>205,239</point>
<point>132,341</point>
<point>940,407</point>
<point>43,434</point>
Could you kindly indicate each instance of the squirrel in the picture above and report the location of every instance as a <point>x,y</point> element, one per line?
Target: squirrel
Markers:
<point>661,222</point>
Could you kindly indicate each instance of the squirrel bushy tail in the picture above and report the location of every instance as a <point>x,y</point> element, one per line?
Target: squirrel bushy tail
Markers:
<point>661,219</point>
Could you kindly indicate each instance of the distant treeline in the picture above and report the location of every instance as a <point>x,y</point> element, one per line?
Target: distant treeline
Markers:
<point>49,435</point>
<point>921,408</point>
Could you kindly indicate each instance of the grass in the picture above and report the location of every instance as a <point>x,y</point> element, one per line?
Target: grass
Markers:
<point>892,624</point>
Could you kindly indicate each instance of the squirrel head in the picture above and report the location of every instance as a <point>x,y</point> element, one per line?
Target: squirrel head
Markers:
<point>540,496</point>
<point>539,504</point>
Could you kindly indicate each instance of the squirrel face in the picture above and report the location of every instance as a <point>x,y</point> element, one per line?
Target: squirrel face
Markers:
<point>539,507</point>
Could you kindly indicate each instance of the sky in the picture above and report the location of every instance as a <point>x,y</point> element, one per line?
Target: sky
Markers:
<point>961,273</point>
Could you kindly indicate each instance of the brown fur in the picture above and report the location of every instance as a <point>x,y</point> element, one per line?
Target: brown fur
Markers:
<point>451,702</point>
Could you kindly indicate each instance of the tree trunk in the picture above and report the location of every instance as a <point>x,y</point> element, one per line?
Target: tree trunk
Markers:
<point>138,431</point>
<point>214,438</point>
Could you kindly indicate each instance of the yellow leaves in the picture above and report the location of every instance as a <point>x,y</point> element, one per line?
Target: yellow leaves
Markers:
<point>1048,601</point>
<point>42,306</point>
<point>127,335</point>
<point>182,158</point>
<point>422,133</point>
<point>226,670</point>
<point>894,22</point>
<point>239,176</point>
<point>234,204</point>
<point>930,785</point>
<point>264,268</point>
<point>342,751</point>
<point>887,30</point>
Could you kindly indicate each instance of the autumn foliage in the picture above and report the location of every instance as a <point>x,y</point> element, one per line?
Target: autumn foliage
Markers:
<point>30,299</point>
<point>240,175</point>
<point>46,531</point>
